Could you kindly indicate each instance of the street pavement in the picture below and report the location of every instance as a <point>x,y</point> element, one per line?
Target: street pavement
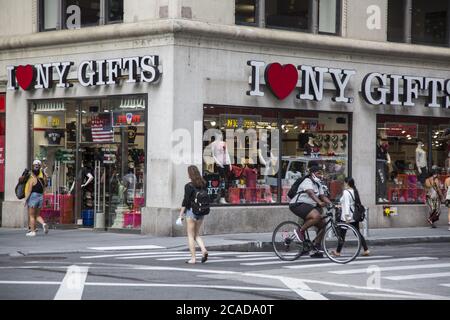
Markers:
<point>134,267</point>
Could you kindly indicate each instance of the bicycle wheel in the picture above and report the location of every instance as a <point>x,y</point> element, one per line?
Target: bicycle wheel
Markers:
<point>285,243</point>
<point>345,236</point>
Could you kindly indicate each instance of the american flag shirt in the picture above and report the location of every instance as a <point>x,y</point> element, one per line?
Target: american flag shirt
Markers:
<point>101,128</point>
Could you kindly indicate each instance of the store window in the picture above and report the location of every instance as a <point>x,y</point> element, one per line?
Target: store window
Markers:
<point>68,14</point>
<point>250,171</point>
<point>396,21</point>
<point>314,138</point>
<point>321,16</point>
<point>2,151</point>
<point>408,148</point>
<point>94,151</point>
<point>241,155</point>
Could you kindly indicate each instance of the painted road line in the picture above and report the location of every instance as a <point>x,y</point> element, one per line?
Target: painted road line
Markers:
<point>73,283</point>
<point>119,248</point>
<point>336,265</point>
<point>302,289</point>
<point>151,253</point>
<point>130,254</point>
<point>243,260</point>
<point>383,296</point>
<point>445,284</point>
<point>177,285</point>
<point>419,276</point>
<point>255,255</point>
<point>302,259</point>
<point>32,282</point>
<point>409,267</point>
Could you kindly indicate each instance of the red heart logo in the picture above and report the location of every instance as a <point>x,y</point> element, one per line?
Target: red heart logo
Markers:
<point>215,183</point>
<point>25,76</point>
<point>281,80</point>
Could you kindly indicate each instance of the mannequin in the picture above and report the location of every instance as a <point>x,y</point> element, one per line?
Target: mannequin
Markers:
<point>222,163</point>
<point>421,162</point>
<point>87,185</point>
<point>383,161</point>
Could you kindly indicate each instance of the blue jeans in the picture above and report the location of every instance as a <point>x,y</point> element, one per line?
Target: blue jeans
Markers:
<point>36,200</point>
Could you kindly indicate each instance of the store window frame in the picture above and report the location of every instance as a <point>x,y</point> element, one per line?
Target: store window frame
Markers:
<point>78,100</point>
<point>60,23</point>
<point>313,18</point>
<point>429,141</point>
<point>407,26</point>
<point>280,112</point>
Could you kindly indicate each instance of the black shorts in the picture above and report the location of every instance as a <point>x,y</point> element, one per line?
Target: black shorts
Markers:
<point>301,209</point>
<point>447,203</point>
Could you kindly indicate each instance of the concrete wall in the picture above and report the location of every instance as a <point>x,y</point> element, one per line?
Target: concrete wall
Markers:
<point>18,17</point>
<point>366,19</point>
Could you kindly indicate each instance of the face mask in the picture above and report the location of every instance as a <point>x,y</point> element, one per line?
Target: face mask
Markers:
<point>36,171</point>
<point>315,178</point>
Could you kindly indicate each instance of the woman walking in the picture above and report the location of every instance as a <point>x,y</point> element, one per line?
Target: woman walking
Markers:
<point>349,197</point>
<point>194,221</point>
<point>447,198</point>
<point>34,195</point>
<point>433,197</point>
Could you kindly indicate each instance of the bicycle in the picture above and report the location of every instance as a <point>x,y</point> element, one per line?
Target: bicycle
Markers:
<point>289,247</point>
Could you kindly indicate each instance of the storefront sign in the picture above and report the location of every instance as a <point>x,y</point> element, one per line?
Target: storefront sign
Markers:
<point>125,119</point>
<point>377,88</point>
<point>397,130</point>
<point>89,73</point>
<point>282,81</point>
<point>239,121</point>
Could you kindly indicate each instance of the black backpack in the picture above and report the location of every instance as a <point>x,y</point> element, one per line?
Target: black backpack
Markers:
<point>201,202</point>
<point>293,191</point>
<point>360,212</point>
<point>20,187</point>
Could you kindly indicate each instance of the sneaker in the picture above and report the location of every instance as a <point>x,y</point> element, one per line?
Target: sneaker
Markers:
<point>317,254</point>
<point>223,201</point>
<point>45,226</point>
<point>31,234</point>
<point>300,234</point>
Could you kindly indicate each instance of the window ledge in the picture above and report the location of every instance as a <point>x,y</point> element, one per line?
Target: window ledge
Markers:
<point>215,31</point>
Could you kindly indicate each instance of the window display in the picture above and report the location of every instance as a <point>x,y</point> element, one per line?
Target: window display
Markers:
<point>405,157</point>
<point>244,167</point>
<point>106,190</point>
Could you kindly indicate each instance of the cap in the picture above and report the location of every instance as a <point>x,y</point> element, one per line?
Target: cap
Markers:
<point>37,162</point>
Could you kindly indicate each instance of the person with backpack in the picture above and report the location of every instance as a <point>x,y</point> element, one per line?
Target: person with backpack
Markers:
<point>35,183</point>
<point>352,212</point>
<point>307,198</point>
<point>196,204</point>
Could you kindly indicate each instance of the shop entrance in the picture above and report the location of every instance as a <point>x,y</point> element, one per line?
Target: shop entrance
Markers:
<point>94,153</point>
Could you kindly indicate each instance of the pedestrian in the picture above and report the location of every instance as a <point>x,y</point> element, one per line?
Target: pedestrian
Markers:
<point>447,198</point>
<point>194,221</point>
<point>433,197</point>
<point>34,195</point>
<point>350,196</point>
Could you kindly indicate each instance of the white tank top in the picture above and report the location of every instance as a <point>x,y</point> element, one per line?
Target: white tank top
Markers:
<point>448,193</point>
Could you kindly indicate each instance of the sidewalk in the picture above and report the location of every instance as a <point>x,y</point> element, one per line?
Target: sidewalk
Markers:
<point>14,242</point>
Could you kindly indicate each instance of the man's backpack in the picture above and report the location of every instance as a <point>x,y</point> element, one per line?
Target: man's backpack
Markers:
<point>360,212</point>
<point>201,202</point>
<point>293,191</point>
<point>20,187</point>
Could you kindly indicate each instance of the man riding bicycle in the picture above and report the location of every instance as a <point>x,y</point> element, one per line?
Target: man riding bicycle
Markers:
<point>307,204</point>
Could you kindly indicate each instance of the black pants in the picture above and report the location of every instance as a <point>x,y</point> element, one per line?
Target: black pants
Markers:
<point>381,179</point>
<point>344,232</point>
<point>224,174</point>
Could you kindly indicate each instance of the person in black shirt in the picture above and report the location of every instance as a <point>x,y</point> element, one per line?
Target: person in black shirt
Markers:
<point>35,185</point>
<point>194,222</point>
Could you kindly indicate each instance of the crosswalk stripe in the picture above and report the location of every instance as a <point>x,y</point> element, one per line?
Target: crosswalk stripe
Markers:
<point>332,264</point>
<point>224,260</point>
<point>409,267</point>
<point>119,248</point>
<point>300,260</point>
<point>130,254</point>
<point>180,256</point>
<point>419,276</point>
<point>445,284</point>
<point>371,294</point>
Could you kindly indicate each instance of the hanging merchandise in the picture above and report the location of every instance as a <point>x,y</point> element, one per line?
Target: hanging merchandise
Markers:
<point>334,140</point>
<point>344,141</point>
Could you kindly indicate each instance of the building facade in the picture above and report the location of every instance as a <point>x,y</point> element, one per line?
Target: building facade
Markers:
<point>118,98</point>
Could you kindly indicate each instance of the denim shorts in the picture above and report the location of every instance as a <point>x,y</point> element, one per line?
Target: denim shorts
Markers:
<point>193,216</point>
<point>36,200</point>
